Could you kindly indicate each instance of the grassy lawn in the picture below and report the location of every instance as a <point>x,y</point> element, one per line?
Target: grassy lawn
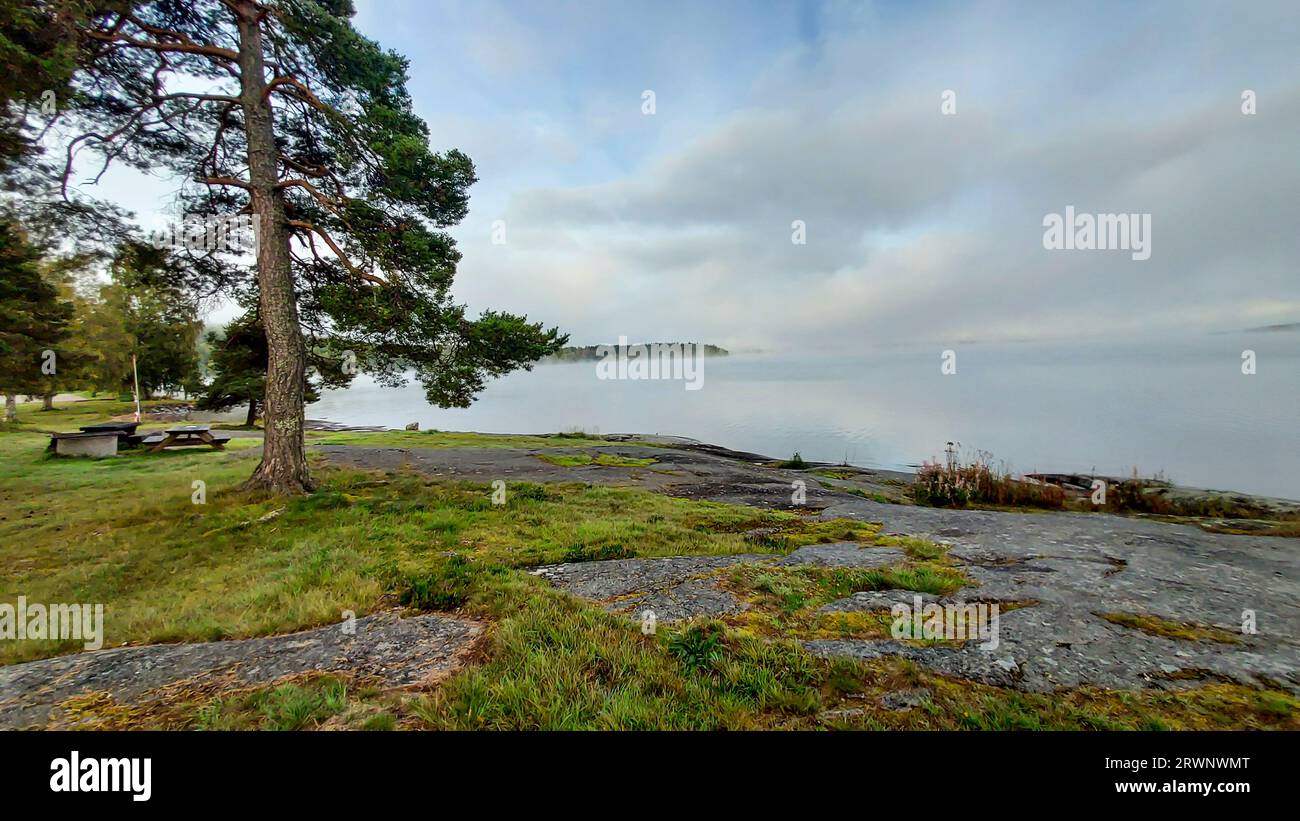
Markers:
<point>125,532</point>
<point>68,416</point>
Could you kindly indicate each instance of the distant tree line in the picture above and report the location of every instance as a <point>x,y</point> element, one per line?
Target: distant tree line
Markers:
<point>72,319</point>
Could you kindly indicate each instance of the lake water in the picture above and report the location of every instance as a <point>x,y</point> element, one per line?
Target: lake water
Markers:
<point>1182,407</point>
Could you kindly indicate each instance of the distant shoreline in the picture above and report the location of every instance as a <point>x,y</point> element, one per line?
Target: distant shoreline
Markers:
<point>595,353</point>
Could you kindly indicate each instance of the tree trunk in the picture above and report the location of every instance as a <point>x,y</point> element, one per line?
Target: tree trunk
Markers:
<point>11,408</point>
<point>252,413</point>
<point>48,402</point>
<point>283,468</point>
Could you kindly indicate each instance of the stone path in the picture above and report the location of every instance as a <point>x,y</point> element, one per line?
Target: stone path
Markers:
<point>399,652</point>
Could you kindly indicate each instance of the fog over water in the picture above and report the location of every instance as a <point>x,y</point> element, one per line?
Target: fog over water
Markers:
<point>1179,406</point>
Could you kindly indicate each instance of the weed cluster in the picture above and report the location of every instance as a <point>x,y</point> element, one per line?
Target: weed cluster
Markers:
<point>958,484</point>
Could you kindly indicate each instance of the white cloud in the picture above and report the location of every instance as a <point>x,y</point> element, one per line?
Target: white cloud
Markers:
<point>922,226</point>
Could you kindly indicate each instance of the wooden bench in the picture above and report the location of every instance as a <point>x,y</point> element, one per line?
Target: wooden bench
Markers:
<point>217,441</point>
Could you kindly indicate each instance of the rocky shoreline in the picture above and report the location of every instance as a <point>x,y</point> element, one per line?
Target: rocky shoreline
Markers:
<point>1091,599</point>
<point>1071,581</point>
<point>1182,500</point>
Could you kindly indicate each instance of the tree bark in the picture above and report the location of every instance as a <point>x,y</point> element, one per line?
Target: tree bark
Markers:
<point>252,413</point>
<point>48,402</point>
<point>283,469</point>
<point>11,408</point>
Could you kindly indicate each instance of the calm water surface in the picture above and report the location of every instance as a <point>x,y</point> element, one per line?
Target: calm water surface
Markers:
<point>1182,407</point>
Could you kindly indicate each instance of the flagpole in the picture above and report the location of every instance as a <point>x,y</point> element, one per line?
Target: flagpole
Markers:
<point>135,374</point>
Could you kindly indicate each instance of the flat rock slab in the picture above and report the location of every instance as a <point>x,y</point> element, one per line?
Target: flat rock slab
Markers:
<point>681,587</point>
<point>843,554</point>
<point>621,577</point>
<point>400,652</point>
<point>675,587</point>
<point>693,472</point>
<point>694,597</point>
<point>1075,565</point>
<point>870,601</point>
<point>1056,637</point>
<point>1078,566</point>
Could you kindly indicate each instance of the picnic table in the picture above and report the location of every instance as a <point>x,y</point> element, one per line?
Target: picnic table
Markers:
<point>125,431</point>
<point>126,427</point>
<point>184,436</point>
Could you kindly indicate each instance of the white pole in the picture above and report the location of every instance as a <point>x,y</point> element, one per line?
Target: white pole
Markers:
<point>135,373</point>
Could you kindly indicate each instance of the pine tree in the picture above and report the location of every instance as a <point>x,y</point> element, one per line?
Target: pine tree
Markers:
<point>307,127</point>
<point>238,363</point>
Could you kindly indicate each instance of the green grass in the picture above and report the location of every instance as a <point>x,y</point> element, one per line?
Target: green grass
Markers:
<point>1271,528</point>
<point>835,474</point>
<point>797,532</point>
<point>290,706</point>
<point>600,673</point>
<point>783,601</point>
<point>124,532</point>
<point>874,496</point>
<point>915,548</point>
<point>380,721</point>
<point>555,664</point>
<point>607,459</point>
<point>1170,629</point>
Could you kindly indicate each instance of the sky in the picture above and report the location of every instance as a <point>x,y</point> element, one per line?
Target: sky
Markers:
<point>920,224</point>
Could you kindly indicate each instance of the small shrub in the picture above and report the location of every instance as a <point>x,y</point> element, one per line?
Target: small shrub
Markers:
<point>879,498</point>
<point>291,707</point>
<point>531,491</point>
<point>583,553</point>
<point>1131,496</point>
<point>957,484</point>
<point>444,589</point>
<point>380,721</point>
<point>698,647</point>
